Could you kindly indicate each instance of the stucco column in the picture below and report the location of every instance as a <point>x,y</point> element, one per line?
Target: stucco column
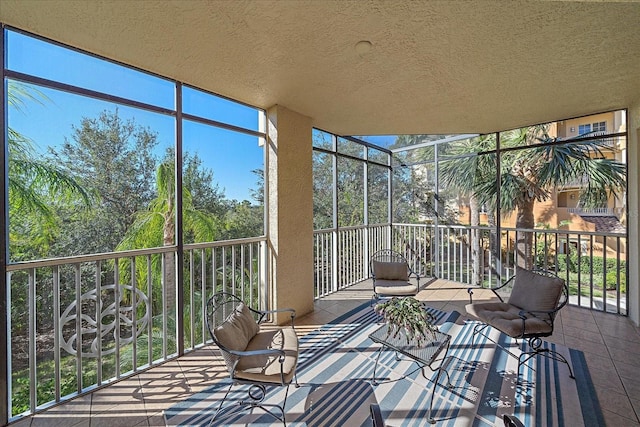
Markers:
<point>290,210</point>
<point>633,223</point>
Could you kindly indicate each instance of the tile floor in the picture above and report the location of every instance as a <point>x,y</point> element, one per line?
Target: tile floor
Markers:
<point>611,345</point>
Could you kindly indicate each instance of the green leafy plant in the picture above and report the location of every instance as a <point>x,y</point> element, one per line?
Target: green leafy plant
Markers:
<point>407,315</point>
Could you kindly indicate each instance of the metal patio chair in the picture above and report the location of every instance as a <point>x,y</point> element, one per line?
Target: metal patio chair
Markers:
<point>392,276</point>
<point>535,299</point>
<point>256,357</point>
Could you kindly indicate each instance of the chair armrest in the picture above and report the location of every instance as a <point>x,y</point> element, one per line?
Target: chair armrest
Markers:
<point>263,313</point>
<point>265,352</point>
<point>494,290</point>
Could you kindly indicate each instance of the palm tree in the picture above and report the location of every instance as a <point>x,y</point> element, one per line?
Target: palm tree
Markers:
<point>156,227</point>
<point>34,182</point>
<point>465,173</point>
<point>529,175</point>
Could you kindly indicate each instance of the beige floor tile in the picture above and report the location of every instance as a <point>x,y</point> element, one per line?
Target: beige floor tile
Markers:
<point>119,418</point>
<point>607,381</point>
<point>626,370</point>
<point>636,405</point>
<point>314,320</point>
<point>583,334</point>
<point>57,420</point>
<point>612,419</point>
<point>632,388</point>
<point>599,362</point>
<point>577,313</point>
<point>156,420</point>
<point>619,330</point>
<point>586,346</point>
<point>24,422</point>
<point>579,324</point>
<point>72,413</point>
<point>614,342</point>
<point>616,402</point>
<point>622,354</point>
<point>126,395</point>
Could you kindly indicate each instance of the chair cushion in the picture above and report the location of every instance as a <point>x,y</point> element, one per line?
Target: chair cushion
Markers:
<point>535,292</point>
<point>267,368</point>
<point>238,329</point>
<point>505,317</point>
<point>390,270</point>
<point>395,287</point>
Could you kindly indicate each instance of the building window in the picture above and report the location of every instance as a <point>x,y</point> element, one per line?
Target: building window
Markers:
<point>595,127</point>
<point>599,127</point>
<point>582,129</point>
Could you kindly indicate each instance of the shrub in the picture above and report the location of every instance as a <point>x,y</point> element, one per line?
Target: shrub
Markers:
<point>612,280</point>
<point>589,264</point>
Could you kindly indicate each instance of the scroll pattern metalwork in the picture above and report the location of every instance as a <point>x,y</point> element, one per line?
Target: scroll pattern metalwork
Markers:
<point>113,324</point>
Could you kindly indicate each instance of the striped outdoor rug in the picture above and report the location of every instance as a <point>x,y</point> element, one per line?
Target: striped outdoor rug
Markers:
<point>336,367</point>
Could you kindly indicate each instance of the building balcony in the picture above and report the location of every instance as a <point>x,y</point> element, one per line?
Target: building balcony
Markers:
<point>52,375</point>
<point>606,340</point>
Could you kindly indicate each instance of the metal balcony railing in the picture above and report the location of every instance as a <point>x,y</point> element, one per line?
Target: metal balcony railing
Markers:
<point>593,264</point>
<point>79,323</point>
<point>595,211</point>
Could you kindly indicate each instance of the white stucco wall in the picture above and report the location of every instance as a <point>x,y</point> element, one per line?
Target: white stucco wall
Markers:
<point>290,209</point>
<point>634,217</point>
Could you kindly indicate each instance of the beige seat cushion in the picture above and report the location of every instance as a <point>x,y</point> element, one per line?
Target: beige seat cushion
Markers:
<point>534,292</point>
<point>505,317</point>
<point>237,331</point>
<point>267,368</point>
<point>395,287</point>
<point>390,270</point>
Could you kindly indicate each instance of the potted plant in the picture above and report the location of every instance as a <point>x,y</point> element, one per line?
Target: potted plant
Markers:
<point>407,315</point>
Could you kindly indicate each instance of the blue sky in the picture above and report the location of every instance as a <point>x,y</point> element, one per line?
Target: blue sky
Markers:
<point>230,155</point>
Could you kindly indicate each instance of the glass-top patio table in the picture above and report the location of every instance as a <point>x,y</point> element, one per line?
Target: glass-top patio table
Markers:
<point>426,355</point>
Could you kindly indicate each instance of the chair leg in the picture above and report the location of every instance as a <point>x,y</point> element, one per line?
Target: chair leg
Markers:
<point>477,329</point>
<point>535,345</point>
<point>256,395</point>
<point>374,299</point>
<point>220,406</point>
<point>295,380</point>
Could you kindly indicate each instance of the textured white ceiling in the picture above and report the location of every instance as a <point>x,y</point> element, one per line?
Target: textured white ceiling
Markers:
<point>434,66</point>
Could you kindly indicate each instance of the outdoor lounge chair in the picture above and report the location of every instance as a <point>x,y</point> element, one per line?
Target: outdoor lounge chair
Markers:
<point>253,356</point>
<point>535,299</point>
<point>392,276</point>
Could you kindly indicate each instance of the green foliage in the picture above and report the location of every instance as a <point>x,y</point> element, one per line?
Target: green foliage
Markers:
<point>589,265</point>
<point>613,282</point>
<point>36,187</point>
<point>113,158</point>
<point>407,315</point>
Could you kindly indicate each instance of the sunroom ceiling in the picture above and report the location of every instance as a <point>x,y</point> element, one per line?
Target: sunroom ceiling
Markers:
<point>434,67</point>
